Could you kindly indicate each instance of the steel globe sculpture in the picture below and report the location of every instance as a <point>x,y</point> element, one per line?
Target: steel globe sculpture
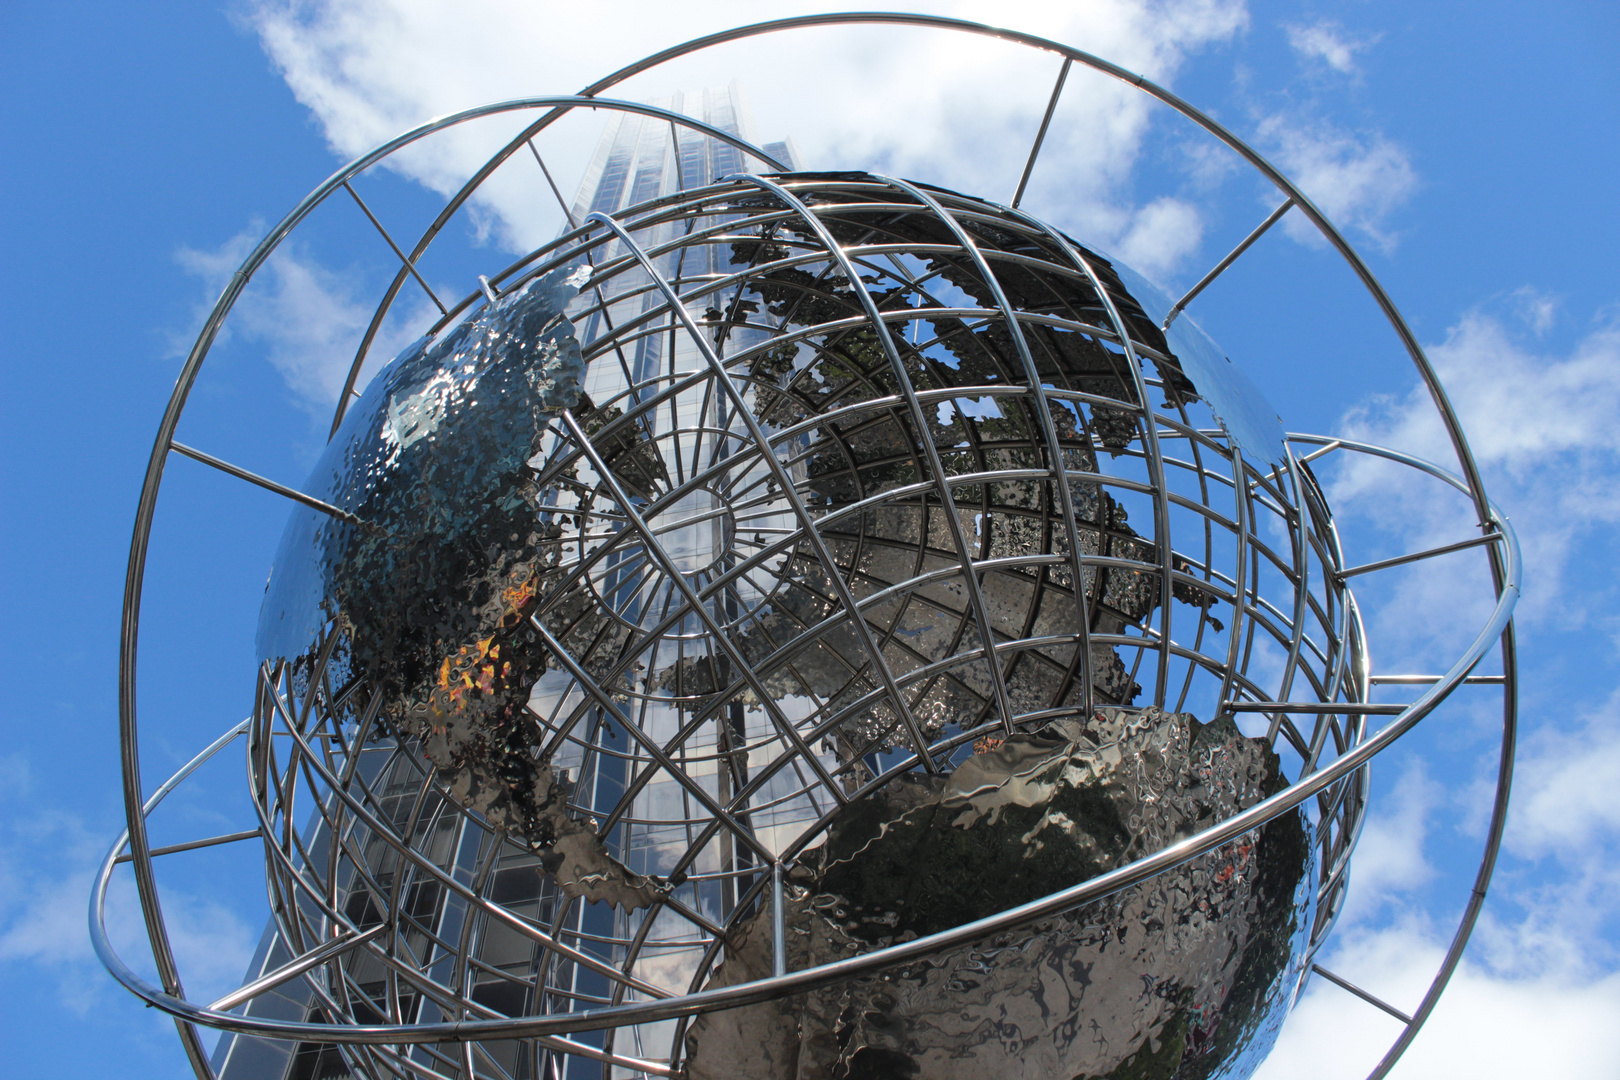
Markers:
<point>808,625</point>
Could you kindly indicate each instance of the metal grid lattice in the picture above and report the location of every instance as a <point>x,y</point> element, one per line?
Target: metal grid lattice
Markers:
<point>909,474</point>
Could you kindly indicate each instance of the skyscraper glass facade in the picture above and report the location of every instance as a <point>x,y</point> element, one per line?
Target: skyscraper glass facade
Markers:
<point>498,962</point>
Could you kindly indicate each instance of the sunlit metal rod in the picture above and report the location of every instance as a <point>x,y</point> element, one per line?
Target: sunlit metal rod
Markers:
<point>1232,257</point>
<point>269,485</point>
<point>1040,136</point>
<point>778,931</point>
<point>1401,560</point>
<point>312,959</point>
<point>1326,707</point>
<point>1346,984</point>
<point>409,265</point>
<point>1424,680</point>
<point>193,845</point>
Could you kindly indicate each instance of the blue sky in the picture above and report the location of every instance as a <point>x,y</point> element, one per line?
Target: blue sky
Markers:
<point>1468,150</point>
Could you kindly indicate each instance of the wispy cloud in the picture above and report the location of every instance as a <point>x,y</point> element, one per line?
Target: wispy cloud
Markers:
<point>1358,180</point>
<point>1536,309</point>
<point>1161,236</point>
<point>1490,1025</point>
<point>47,865</point>
<point>930,105</point>
<point>1390,860</point>
<point>1564,797</point>
<point>309,319</point>
<point>1330,44</point>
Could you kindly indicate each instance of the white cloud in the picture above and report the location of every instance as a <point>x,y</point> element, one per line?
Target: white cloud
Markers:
<point>1564,790</point>
<point>1538,310</point>
<point>308,318</point>
<point>932,105</point>
<point>1358,181</point>
<point>1206,163</point>
<point>1490,1024</point>
<point>47,865</point>
<point>1542,429</point>
<point>1389,858</point>
<point>1163,234</point>
<point>1329,43</point>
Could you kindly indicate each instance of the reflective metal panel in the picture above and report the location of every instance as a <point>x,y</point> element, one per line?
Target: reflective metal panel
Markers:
<point>1188,975</point>
<point>1243,411</point>
<point>819,521</point>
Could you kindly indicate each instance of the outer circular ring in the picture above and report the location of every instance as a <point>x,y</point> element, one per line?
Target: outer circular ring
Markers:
<point>1503,556</point>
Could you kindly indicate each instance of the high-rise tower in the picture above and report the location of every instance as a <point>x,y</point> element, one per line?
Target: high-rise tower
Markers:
<point>638,159</point>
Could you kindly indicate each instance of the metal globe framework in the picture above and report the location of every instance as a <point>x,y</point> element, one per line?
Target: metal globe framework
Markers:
<point>887,476</point>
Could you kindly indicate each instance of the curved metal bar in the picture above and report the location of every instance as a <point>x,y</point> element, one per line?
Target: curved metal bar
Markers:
<point>98,897</point>
<point>1061,477</point>
<point>747,993</point>
<point>767,452</point>
<point>1504,777</point>
<point>1487,866</point>
<point>1505,564</point>
<point>970,579</point>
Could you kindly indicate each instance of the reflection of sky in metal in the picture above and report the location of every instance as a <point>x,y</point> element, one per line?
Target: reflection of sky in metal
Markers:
<point>789,547</point>
<point>1243,411</point>
<point>1187,975</point>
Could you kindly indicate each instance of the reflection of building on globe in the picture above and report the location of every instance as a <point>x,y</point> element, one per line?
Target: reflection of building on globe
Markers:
<point>799,626</point>
<point>733,602</point>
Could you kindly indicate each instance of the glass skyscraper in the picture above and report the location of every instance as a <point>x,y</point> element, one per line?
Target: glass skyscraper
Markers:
<point>638,159</point>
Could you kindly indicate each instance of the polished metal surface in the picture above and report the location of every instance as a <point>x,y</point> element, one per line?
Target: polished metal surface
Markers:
<point>804,625</point>
<point>1190,973</point>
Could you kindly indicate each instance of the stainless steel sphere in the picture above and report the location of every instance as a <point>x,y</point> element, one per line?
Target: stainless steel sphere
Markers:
<point>809,625</point>
<point>852,528</point>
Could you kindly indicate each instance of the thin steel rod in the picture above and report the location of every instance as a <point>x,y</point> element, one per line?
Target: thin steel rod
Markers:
<point>1487,866</point>
<point>409,265</point>
<point>1040,136</point>
<point>1370,999</point>
<point>1331,708</point>
<point>291,970</point>
<point>193,845</point>
<point>937,476</point>
<point>1402,560</point>
<point>269,485</point>
<point>1505,570</point>
<point>1419,680</point>
<point>135,838</point>
<point>1298,534</point>
<point>1326,448</point>
<point>790,492</point>
<point>778,932</point>
<point>555,190</point>
<point>1232,257</point>
<point>1240,582</point>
